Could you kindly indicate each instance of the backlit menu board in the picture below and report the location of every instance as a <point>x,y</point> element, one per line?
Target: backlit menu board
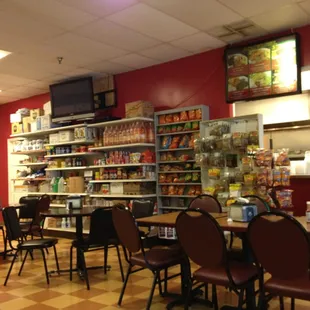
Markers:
<point>263,70</point>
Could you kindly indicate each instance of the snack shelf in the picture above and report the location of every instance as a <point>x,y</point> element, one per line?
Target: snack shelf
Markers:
<point>29,152</point>
<point>57,194</point>
<point>175,150</point>
<point>163,184</point>
<point>121,121</point>
<point>177,133</point>
<point>71,142</point>
<point>122,181</point>
<point>121,196</point>
<point>121,146</point>
<point>121,165</point>
<point>31,164</point>
<point>182,155</point>
<point>71,155</point>
<point>31,179</point>
<point>183,171</point>
<point>66,168</point>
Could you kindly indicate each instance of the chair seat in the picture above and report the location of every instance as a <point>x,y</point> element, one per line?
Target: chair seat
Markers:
<point>158,258</point>
<point>241,273</point>
<point>297,288</point>
<point>86,243</point>
<point>37,244</point>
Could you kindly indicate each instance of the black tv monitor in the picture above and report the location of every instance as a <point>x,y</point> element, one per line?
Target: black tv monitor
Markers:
<point>262,70</point>
<point>72,100</point>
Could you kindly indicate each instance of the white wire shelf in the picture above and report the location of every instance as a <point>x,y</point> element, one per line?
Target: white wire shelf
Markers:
<point>178,133</point>
<point>121,146</point>
<point>183,171</point>
<point>121,165</point>
<point>70,143</point>
<point>66,168</point>
<point>175,150</point>
<point>72,155</point>
<point>122,196</point>
<point>122,181</point>
<point>121,121</point>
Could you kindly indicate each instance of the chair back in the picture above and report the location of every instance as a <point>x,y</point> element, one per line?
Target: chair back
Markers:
<point>207,203</point>
<point>101,227</point>
<point>43,205</point>
<point>261,204</point>
<point>201,238</point>
<point>142,208</point>
<point>11,223</point>
<point>29,210</point>
<point>280,245</point>
<point>126,228</point>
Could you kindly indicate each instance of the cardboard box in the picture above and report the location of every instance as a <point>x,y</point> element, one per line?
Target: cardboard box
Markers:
<point>66,136</point>
<point>76,185</point>
<point>15,118</point>
<point>47,107</point>
<point>33,127</point>
<point>27,124</point>
<point>34,113</point>
<point>139,188</point>
<point>25,188</point>
<point>116,188</point>
<point>83,133</point>
<point>54,138</point>
<point>16,128</point>
<point>46,122</point>
<point>139,109</point>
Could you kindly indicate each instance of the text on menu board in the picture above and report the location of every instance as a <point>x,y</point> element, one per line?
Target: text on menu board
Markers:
<point>262,70</point>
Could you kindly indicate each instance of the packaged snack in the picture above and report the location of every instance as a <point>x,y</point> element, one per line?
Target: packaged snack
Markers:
<point>184,157</point>
<point>171,156</point>
<point>188,178</point>
<point>282,159</point>
<point>170,178</point>
<point>198,145</point>
<point>240,139</point>
<point>209,190</point>
<point>260,157</point>
<point>269,177</point>
<point>284,198</point>
<point>167,129</point>
<point>285,175</point>
<point>172,190</point>
<point>188,166</point>
<point>220,128</point>
<point>269,200</point>
<point>165,142</point>
<point>217,160</point>
<point>277,180</point>
<point>191,191</point>
<point>219,143</point>
<point>208,144</point>
<point>175,142</point>
<point>206,160</point>
<point>253,138</point>
<point>168,118</point>
<point>192,141</point>
<point>162,178</point>
<point>235,190</point>
<point>191,115</point>
<point>238,176</point>
<point>262,176</point>
<point>246,164</point>
<point>174,128</point>
<point>163,157</point>
<point>180,127</point>
<point>183,116</point>
<point>197,190</point>
<point>261,190</point>
<point>181,178</point>
<point>181,190</point>
<point>184,143</point>
<point>164,190</point>
<point>187,126</point>
<point>162,120</point>
<point>249,179</point>
<point>176,179</point>
<point>198,114</point>
<point>231,160</point>
<point>195,125</point>
<point>227,142</point>
<point>214,173</point>
<point>160,130</point>
<point>268,158</point>
<point>195,177</point>
<point>176,117</point>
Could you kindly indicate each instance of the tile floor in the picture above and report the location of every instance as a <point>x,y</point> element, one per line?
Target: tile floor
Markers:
<point>30,291</point>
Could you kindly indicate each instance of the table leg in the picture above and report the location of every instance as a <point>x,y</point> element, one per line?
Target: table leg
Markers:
<point>79,237</point>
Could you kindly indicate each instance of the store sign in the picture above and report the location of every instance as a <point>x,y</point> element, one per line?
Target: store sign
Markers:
<point>263,70</point>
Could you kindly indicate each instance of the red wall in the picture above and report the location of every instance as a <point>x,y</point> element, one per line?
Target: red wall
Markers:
<point>199,79</point>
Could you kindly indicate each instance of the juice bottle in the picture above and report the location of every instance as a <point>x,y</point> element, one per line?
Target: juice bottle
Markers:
<point>150,133</point>
<point>136,132</point>
<point>107,136</point>
<point>142,131</point>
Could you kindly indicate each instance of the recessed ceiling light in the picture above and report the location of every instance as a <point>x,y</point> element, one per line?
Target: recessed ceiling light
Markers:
<point>4,54</point>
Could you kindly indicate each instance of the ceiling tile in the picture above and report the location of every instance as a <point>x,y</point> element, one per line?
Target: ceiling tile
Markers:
<point>305,5</point>
<point>79,72</point>
<point>289,16</point>
<point>100,7</point>
<point>91,49</point>
<point>152,22</point>
<point>135,61</point>
<point>116,35</point>
<point>198,42</point>
<point>40,85</point>
<point>202,15</point>
<point>55,13</point>
<point>109,67</point>
<point>165,52</point>
<point>247,8</point>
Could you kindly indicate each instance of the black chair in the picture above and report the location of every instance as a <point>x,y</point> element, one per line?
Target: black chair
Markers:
<point>142,208</point>
<point>207,203</point>
<point>27,213</point>
<point>14,233</point>
<point>102,236</point>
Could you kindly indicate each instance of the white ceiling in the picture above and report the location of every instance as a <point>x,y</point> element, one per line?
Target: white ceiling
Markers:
<point>102,37</point>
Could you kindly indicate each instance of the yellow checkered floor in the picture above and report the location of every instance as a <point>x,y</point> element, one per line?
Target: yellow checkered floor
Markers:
<point>30,291</point>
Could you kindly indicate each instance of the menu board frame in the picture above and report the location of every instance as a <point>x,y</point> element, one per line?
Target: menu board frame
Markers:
<point>246,71</point>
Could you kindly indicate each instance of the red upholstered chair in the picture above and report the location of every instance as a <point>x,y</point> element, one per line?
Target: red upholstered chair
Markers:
<point>207,203</point>
<point>281,247</point>
<point>203,241</point>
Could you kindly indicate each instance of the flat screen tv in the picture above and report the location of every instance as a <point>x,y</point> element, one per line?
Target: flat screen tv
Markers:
<point>263,70</point>
<point>72,100</point>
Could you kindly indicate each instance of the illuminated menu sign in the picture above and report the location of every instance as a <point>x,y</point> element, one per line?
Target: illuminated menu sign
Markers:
<point>263,70</point>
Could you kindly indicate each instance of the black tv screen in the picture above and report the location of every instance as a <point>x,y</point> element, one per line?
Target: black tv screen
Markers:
<point>72,99</point>
<point>263,70</point>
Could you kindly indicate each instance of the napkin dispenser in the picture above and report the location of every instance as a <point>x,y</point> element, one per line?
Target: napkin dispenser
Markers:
<point>242,211</point>
<point>74,202</point>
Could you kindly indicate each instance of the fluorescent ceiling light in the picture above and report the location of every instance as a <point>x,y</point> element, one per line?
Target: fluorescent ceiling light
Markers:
<point>4,54</point>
